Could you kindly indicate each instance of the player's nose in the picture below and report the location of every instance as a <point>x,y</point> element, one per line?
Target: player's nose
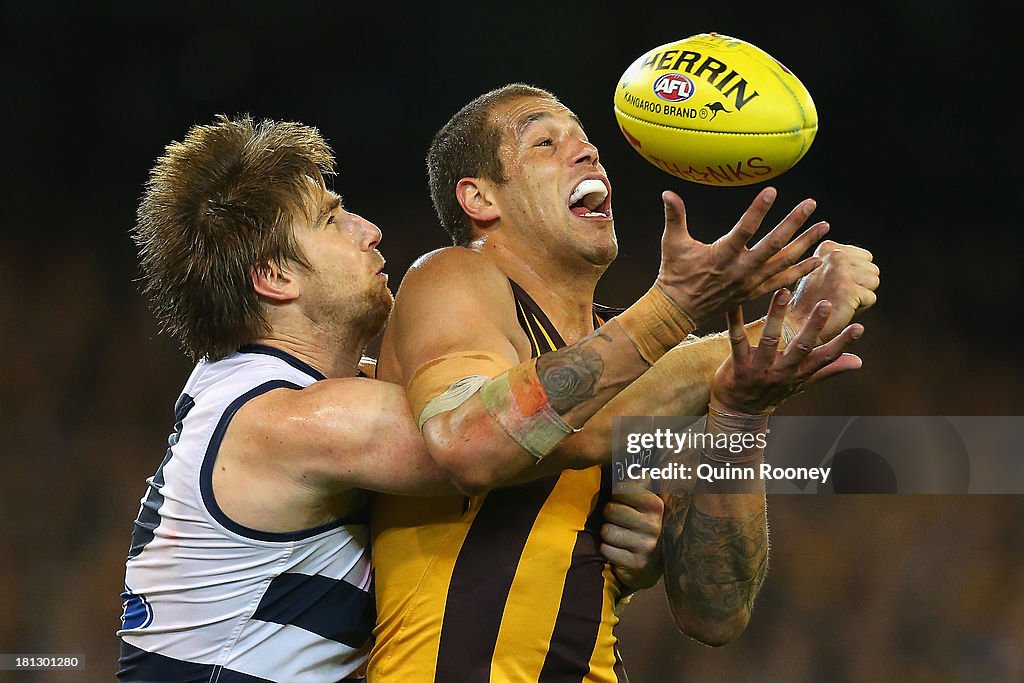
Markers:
<point>585,154</point>
<point>370,235</point>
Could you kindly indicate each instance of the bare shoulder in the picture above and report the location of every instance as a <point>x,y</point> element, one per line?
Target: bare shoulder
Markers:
<point>329,438</point>
<point>283,460</point>
<point>306,432</point>
<point>452,299</point>
<point>458,268</point>
<point>282,416</point>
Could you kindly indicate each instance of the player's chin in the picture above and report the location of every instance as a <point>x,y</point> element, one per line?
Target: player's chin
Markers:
<point>386,300</point>
<point>378,310</point>
<point>602,252</point>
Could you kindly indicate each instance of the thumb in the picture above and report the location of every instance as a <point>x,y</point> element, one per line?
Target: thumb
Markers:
<point>675,216</point>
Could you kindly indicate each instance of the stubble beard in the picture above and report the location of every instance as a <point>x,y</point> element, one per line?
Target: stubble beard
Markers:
<point>356,319</point>
<point>368,316</point>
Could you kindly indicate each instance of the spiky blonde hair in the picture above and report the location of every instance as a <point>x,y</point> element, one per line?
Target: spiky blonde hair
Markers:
<point>216,206</point>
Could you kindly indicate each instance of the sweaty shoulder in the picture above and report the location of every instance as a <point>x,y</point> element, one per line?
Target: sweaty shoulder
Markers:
<point>453,299</point>
<point>454,267</point>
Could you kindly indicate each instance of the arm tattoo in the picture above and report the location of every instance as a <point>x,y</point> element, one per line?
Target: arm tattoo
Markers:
<point>716,564</point>
<point>570,375</point>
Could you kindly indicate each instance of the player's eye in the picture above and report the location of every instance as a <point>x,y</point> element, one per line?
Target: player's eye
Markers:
<point>546,142</point>
<point>330,219</point>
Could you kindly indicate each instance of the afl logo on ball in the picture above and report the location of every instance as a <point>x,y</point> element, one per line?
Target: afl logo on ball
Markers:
<point>673,87</point>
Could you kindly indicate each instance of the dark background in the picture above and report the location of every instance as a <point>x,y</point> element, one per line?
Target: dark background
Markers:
<point>917,159</point>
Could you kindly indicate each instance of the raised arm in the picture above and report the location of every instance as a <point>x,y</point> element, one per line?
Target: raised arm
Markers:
<point>715,540</point>
<point>454,329</point>
<point>679,383</point>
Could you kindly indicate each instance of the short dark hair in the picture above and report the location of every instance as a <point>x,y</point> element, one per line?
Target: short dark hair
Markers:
<point>468,147</point>
<point>216,206</point>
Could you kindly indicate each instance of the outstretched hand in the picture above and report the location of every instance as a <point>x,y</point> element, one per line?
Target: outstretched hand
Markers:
<point>754,380</point>
<point>706,280</point>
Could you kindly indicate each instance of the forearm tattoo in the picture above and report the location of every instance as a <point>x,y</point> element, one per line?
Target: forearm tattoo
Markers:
<point>716,564</point>
<point>570,376</point>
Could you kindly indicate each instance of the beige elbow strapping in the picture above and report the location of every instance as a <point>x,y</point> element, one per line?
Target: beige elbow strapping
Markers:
<point>449,378</point>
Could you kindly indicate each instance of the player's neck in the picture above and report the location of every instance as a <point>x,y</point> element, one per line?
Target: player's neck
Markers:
<point>565,295</point>
<point>325,352</point>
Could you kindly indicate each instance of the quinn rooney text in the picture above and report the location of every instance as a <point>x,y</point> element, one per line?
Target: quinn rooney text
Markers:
<point>712,473</point>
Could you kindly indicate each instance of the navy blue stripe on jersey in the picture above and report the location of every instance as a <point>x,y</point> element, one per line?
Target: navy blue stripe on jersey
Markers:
<point>291,360</point>
<point>149,516</point>
<point>579,613</point>
<point>136,610</point>
<point>140,666</point>
<point>527,301</point>
<point>330,608</point>
<point>206,474</point>
<point>482,579</point>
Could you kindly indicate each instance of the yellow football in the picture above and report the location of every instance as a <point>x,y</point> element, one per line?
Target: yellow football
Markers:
<point>715,110</point>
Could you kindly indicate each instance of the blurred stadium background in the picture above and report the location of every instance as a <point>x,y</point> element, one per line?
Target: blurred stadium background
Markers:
<point>917,159</point>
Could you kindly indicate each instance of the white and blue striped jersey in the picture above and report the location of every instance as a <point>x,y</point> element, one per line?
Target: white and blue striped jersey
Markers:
<point>207,599</point>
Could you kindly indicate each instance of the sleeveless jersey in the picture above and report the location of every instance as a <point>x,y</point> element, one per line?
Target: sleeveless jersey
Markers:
<point>207,599</point>
<point>509,586</point>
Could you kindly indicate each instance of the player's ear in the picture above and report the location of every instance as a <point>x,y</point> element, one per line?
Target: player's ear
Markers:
<point>275,282</point>
<point>476,197</point>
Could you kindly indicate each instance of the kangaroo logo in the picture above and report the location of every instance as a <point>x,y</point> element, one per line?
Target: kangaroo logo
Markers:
<point>716,107</point>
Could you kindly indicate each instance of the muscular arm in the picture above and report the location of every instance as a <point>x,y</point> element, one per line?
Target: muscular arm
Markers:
<point>458,301</point>
<point>336,435</point>
<point>714,545</point>
<point>294,459</point>
<point>679,383</point>
<point>714,561</point>
<point>478,315</point>
<point>715,539</point>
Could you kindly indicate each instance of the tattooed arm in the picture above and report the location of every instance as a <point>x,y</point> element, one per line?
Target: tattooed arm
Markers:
<point>458,304</point>
<point>715,540</point>
<point>715,562</point>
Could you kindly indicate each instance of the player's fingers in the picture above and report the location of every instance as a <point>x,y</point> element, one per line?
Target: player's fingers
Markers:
<point>644,501</point>
<point>778,238</point>
<point>675,216</point>
<point>618,557</point>
<point>806,339</point>
<point>771,333</point>
<point>829,246</point>
<point>865,273</point>
<point>868,279</point>
<point>792,251</point>
<point>845,363</point>
<point>738,335</point>
<point>737,238</point>
<point>867,299</point>
<point>631,518</point>
<point>627,539</point>
<point>828,353</point>
<point>856,252</point>
<point>788,276</point>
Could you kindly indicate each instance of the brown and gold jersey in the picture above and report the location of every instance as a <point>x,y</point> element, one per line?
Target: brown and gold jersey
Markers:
<point>506,586</point>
